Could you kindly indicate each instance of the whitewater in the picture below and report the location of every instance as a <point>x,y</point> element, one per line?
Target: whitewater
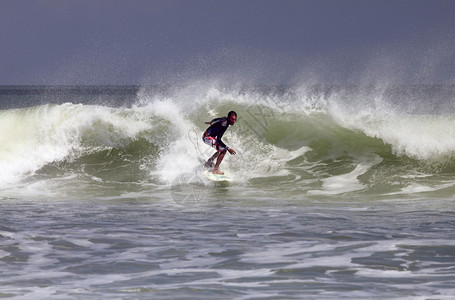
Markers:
<point>337,192</point>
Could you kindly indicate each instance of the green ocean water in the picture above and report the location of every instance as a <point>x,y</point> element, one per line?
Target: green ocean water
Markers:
<point>337,192</point>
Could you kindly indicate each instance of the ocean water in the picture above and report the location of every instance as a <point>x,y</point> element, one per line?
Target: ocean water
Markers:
<point>337,192</point>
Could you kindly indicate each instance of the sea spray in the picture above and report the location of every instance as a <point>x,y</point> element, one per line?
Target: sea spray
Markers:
<point>301,139</point>
<point>36,136</point>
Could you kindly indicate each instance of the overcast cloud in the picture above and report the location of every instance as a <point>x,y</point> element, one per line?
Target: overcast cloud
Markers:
<point>158,42</point>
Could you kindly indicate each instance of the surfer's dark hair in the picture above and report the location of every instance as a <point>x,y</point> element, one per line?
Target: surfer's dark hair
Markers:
<point>232,113</point>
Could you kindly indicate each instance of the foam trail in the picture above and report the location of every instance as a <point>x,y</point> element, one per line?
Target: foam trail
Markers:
<point>176,156</point>
<point>346,182</point>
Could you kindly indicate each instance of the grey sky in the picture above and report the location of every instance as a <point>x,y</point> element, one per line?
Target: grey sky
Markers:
<point>280,41</point>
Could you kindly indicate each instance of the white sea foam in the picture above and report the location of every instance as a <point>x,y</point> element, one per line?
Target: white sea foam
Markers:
<point>35,136</point>
<point>425,137</point>
<point>280,136</point>
<point>346,182</point>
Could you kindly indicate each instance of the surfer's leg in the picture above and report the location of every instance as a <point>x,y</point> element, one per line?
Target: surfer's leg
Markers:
<point>209,163</point>
<point>214,156</point>
<point>218,162</point>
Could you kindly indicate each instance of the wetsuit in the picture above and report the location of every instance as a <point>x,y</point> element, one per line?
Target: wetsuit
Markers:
<point>212,136</point>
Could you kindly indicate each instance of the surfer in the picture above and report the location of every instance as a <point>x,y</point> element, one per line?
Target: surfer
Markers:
<point>212,137</point>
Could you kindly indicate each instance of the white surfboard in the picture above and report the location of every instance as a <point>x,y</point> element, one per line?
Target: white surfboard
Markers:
<point>215,177</point>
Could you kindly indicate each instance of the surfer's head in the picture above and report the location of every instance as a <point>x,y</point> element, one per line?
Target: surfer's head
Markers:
<point>232,117</point>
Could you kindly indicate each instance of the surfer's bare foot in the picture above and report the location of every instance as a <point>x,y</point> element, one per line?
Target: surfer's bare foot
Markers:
<point>216,171</point>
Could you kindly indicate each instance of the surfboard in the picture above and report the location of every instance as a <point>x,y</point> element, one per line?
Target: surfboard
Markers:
<point>216,177</point>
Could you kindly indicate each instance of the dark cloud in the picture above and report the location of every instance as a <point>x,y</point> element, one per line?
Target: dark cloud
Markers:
<point>138,42</point>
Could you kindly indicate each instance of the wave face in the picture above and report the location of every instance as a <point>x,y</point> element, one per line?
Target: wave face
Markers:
<point>292,142</point>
